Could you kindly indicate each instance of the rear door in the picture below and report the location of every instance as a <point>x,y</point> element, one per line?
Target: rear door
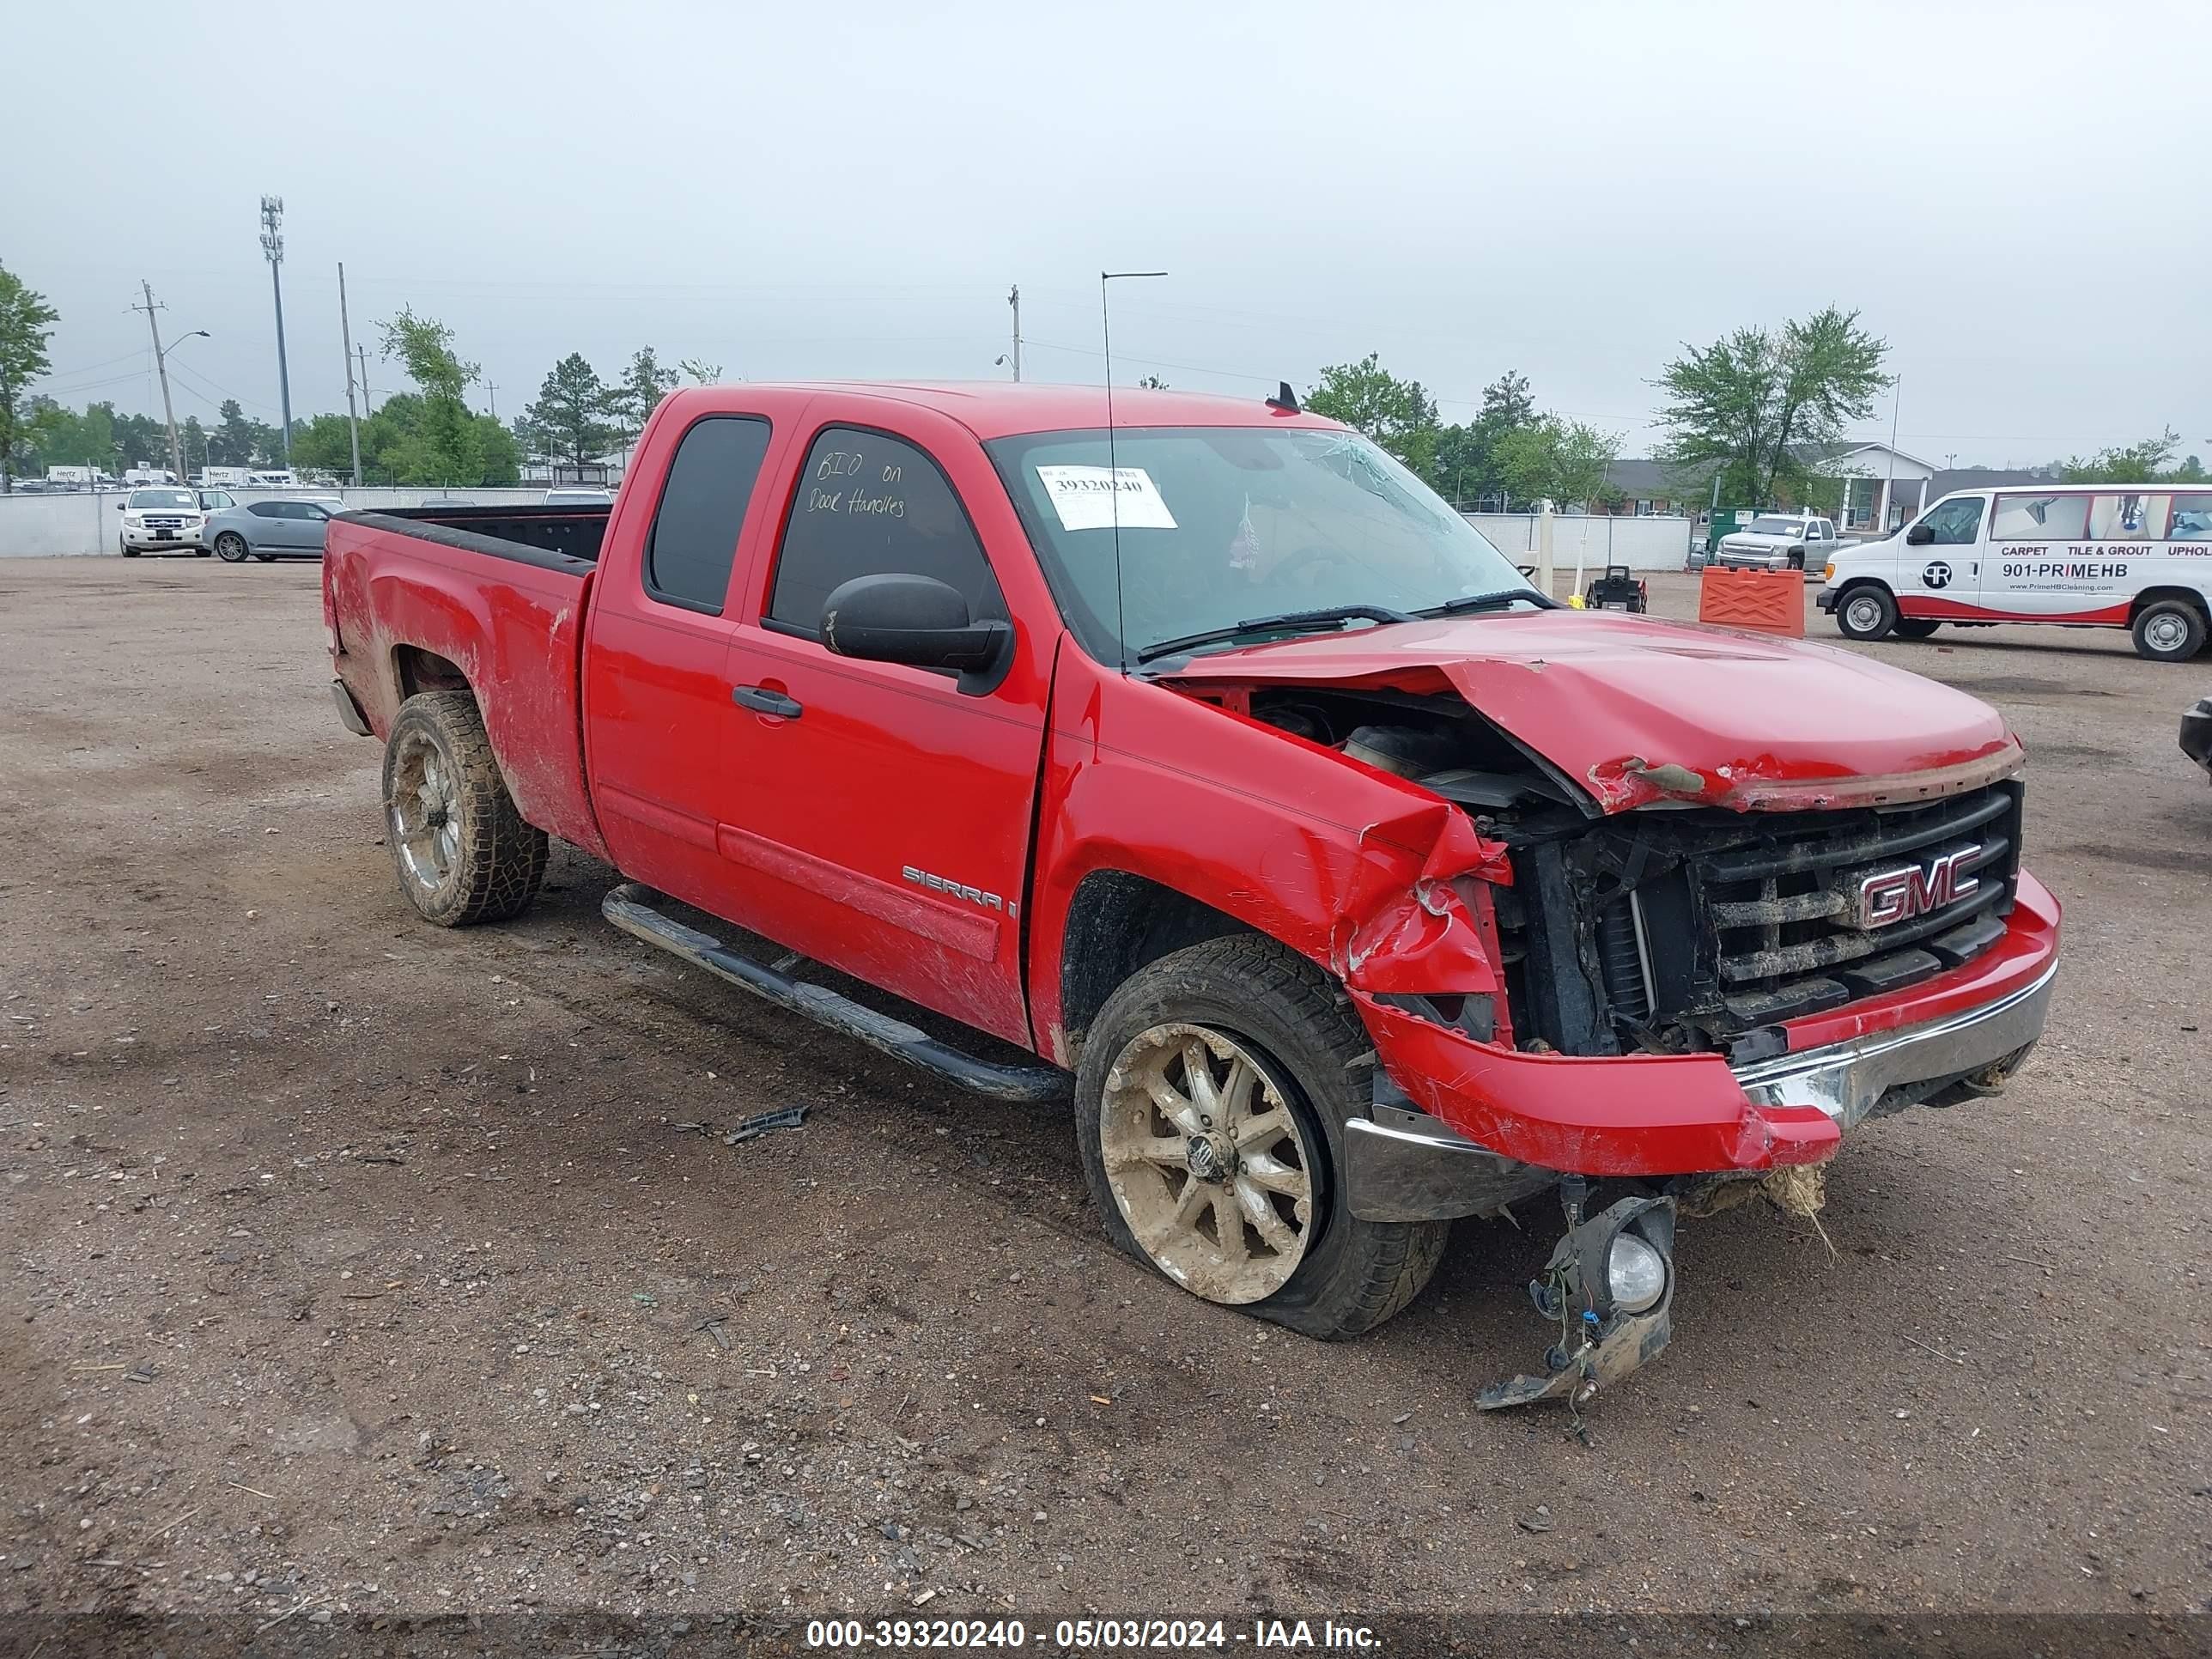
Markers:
<point>2040,563</point>
<point>879,817</point>
<point>657,704</point>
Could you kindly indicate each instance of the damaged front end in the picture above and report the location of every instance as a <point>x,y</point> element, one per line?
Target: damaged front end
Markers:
<point>1689,980</point>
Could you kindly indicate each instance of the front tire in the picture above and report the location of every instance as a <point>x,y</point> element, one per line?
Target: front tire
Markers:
<point>1866,612</point>
<point>2168,631</point>
<point>462,852</point>
<point>230,547</point>
<point>1211,1097</point>
<point>125,549</point>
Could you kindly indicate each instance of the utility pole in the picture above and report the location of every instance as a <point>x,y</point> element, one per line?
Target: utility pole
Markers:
<point>366,408</point>
<point>1014,299</point>
<point>492,387</point>
<point>161,365</point>
<point>272,244</point>
<point>345,336</point>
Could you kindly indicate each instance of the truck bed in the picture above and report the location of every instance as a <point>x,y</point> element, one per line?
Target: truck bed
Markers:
<point>492,598</point>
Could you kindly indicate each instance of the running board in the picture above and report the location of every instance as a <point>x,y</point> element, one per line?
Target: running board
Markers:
<point>626,909</point>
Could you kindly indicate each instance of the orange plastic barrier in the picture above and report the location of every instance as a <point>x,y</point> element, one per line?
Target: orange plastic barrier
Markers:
<point>1771,601</point>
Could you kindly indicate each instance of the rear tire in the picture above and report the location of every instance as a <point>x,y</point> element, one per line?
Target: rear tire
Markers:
<point>1247,999</point>
<point>462,852</point>
<point>1866,612</point>
<point>2168,631</point>
<point>1916,628</point>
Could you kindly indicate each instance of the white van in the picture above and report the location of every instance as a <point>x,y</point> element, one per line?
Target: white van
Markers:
<point>2137,556</point>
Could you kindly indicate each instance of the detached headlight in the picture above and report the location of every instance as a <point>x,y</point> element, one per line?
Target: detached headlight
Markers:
<point>1635,1273</point>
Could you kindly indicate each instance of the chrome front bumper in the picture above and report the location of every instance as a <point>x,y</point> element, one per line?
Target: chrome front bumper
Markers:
<point>1849,1081</point>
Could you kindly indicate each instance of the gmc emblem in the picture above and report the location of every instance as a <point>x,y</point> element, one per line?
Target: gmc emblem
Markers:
<point>1894,895</point>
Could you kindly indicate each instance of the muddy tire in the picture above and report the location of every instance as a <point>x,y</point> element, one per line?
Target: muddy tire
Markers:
<point>2168,631</point>
<point>462,852</point>
<point>1865,613</point>
<point>1230,1186</point>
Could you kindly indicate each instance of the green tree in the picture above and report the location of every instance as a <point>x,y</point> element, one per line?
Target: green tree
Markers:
<point>26,324</point>
<point>1562,460</point>
<point>569,421</point>
<point>1399,415</point>
<point>322,443</point>
<point>1745,402</point>
<point>443,445</point>
<point>1464,466</point>
<point>2150,461</point>
<point>701,372</point>
<point>639,392</point>
<point>233,440</point>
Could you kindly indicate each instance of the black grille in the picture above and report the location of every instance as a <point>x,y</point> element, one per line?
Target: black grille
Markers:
<point>1784,913</point>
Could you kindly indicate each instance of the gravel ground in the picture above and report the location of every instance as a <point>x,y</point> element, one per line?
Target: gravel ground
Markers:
<point>357,1264</point>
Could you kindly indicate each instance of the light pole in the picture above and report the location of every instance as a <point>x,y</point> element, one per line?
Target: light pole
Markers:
<point>272,245</point>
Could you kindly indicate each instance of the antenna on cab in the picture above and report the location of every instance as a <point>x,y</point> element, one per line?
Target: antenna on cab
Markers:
<point>1113,471</point>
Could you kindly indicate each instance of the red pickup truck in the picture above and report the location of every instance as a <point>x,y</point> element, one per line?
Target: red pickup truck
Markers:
<point>1346,883</point>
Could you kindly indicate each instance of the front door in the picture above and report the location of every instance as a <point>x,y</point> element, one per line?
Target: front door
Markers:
<point>1941,578</point>
<point>879,816</point>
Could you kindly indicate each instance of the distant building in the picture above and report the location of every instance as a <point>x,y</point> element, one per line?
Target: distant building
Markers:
<point>1881,486</point>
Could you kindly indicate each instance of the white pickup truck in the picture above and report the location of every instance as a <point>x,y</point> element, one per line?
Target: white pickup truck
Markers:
<point>1778,541</point>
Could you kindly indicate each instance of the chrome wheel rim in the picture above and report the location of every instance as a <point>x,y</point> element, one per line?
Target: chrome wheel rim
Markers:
<point>421,809</point>
<point>1210,1166</point>
<point>1863,615</point>
<point>229,549</point>
<point>2166,632</point>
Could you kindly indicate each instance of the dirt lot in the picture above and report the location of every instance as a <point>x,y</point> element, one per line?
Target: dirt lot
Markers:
<point>350,1259</point>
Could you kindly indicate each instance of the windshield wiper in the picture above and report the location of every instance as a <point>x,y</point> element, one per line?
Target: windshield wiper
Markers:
<point>1335,613</point>
<point>1467,601</point>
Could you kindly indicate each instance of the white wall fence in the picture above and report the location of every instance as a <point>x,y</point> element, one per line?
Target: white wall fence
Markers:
<point>1597,539</point>
<point>35,526</point>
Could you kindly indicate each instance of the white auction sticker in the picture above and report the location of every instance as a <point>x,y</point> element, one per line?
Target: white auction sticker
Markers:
<point>1090,497</point>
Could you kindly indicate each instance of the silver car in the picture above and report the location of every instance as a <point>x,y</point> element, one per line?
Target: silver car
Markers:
<point>292,528</point>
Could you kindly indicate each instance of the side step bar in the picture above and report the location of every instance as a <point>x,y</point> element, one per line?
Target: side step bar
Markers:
<point>626,907</point>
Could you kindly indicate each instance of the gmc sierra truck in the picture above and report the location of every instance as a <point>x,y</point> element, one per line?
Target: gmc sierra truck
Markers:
<point>1346,883</point>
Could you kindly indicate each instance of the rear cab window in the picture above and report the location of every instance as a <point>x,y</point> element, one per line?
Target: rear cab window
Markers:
<point>702,512</point>
<point>871,505</point>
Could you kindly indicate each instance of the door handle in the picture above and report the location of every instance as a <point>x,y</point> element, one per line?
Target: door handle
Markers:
<point>762,701</point>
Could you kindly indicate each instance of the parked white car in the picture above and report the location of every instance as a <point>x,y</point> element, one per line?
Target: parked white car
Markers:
<point>166,519</point>
<point>2135,555</point>
<point>1779,541</point>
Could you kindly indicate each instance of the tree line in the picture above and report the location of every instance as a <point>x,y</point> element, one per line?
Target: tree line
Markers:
<point>1757,408</point>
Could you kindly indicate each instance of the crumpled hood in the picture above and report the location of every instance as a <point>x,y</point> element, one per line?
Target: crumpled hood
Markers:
<point>1635,710</point>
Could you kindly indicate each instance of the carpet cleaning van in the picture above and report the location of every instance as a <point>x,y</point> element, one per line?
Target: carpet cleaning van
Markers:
<point>2137,556</point>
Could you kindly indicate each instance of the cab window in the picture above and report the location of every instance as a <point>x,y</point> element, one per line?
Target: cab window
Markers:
<point>872,505</point>
<point>694,538</point>
<point>1955,522</point>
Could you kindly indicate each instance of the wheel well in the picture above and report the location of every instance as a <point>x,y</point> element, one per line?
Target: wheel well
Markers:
<point>425,670</point>
<point>1853,582</point>
<point>2150,596</point>
<point>1117,924</point>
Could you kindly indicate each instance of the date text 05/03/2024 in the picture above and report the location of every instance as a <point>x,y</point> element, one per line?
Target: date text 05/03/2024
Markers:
<point>1091,1635</point>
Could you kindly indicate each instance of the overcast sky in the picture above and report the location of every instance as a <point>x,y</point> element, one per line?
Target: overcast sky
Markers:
<point>2013,195</point>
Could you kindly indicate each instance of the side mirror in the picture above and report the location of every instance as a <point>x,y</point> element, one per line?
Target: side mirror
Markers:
<point>920,622</point>
<point>1919,536</point>
<point>118,506</point>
